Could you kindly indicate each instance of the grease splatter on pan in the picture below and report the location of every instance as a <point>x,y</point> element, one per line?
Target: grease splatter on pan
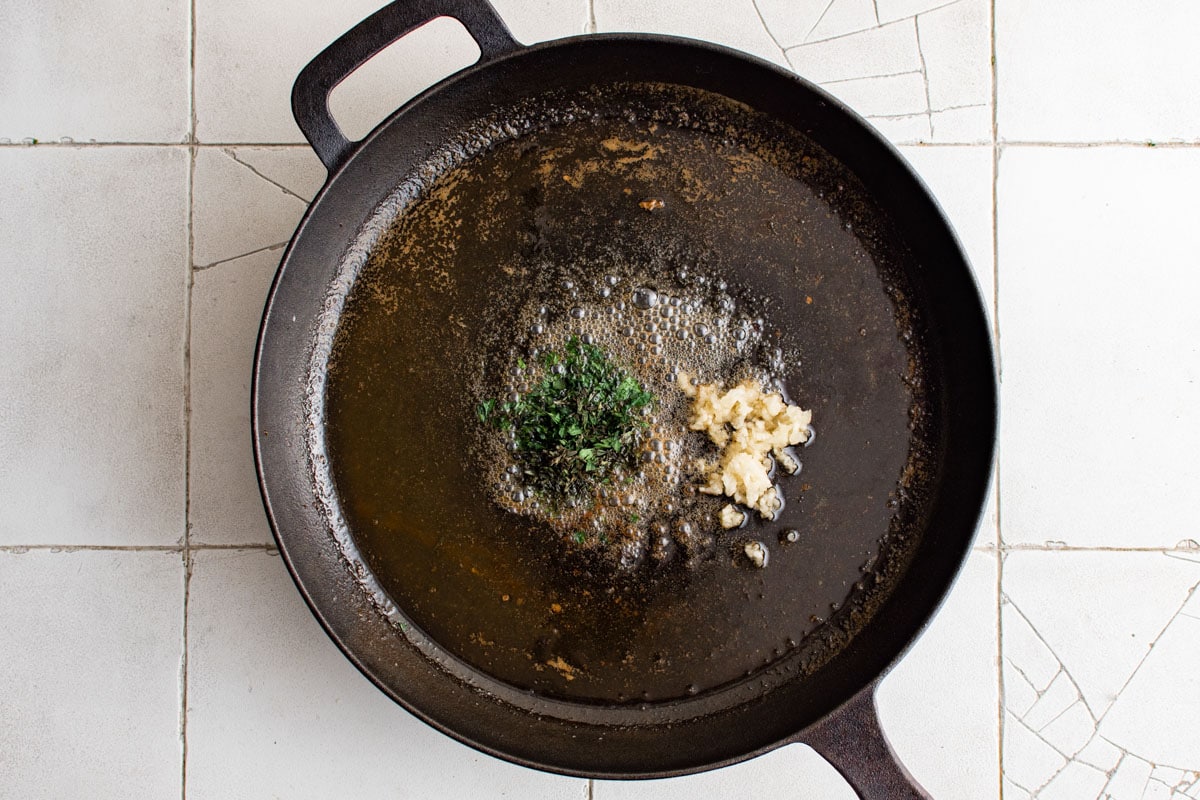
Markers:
<point>431,321</point>
<point>653,328</point>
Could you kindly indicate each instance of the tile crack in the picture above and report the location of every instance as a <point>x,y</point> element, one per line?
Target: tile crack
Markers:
<point>763,21</point>
<point>1096,719</point>
<point>816,24</point>
<point>1179,611</point>
<point>1036,692</point>
<point>1044,741</point>
<point>957,108</point>
<point>936,8</point>
<point>268,248</point>
<point>806,42</point>
<point>871,77</point>
<point>1008,778</point>
<point>1056,718</point>
<point>918,115</point>
<point>1062,667</point>
<point>1050,780</point>
<point>229,152</point>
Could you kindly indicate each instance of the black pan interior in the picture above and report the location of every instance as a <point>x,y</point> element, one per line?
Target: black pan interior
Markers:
<point>746,202</point>
<point>767,186</point>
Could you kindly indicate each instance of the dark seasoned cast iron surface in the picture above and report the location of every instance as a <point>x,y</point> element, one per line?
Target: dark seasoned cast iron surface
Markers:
<point>747,201</point>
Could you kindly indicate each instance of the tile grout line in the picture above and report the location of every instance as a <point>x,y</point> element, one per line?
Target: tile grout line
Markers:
<point>1001,700</point>
<point>183,684</point>
<point>20,549</point>
<point>1140,143</point>
<point>182,144</point>
<point>1023,547</point>
<point>187,398</point>
<point>1000,549</point>
<point>267,547</point>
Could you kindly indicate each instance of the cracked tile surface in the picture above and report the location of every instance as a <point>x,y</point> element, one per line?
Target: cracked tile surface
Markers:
<point>735,23</point>
<point>271,187</point>
<point>1063,665</point>
<point>918,69</point>
<point>247,202</point>
<point>1088,716</point>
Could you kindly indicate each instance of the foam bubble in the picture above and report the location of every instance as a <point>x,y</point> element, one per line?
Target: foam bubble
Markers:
<point>655,331</point>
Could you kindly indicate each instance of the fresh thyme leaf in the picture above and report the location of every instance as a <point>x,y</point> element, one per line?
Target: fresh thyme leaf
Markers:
<point>580,537</point>
<point>579,423</point>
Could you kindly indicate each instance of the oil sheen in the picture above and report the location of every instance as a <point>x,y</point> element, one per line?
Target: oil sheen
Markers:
<point>676,233</point>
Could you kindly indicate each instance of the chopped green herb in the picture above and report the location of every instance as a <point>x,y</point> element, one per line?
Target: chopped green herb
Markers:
<point>521,363</point>
<point>484,410</point>
<point>583,420</point>
<point>634,518</point>
<point>580,537</point>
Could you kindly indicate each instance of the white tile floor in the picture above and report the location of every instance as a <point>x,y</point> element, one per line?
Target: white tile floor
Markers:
<point>151,644</point>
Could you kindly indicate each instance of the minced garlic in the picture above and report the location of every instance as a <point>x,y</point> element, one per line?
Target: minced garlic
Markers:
<point>756,553</point>
<point>731,517</point>
<point>750,426</point>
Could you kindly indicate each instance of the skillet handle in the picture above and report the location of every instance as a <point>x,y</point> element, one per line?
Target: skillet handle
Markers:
<point>310,94</point>
<point>851,740</point>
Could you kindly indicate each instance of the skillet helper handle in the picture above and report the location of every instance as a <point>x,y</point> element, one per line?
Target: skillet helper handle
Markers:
<point>310,94</point>
<point>851,740</point>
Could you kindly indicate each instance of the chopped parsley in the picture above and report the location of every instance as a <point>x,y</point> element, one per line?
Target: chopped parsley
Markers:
<point>583,420</point>
<point>484,410</point>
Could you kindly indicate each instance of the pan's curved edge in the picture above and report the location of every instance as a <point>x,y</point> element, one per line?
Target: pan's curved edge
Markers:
<point>258,432</point>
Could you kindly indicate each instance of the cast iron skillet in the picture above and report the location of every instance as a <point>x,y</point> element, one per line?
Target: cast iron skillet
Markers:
<point>897,364</point>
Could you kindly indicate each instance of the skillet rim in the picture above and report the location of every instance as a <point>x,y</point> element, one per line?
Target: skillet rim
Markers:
<point>294,551</point>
